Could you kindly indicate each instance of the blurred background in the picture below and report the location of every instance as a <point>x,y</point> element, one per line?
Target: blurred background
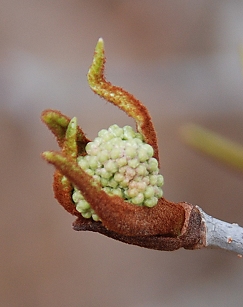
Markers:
<point>182,60</point>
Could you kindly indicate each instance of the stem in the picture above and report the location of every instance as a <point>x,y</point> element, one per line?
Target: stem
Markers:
<point>214,145</point>
<point>220,234</point>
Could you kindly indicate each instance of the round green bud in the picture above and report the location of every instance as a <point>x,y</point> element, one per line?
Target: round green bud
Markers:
<point>117,192</point>
<point>138,200</point>
<point>128,133</point>
<point>159,193</point>
<point>151,202</point>
<point>153,165</point>
<point>83,164</point>
<point>109,146</point>
<point>103,182</point>
<point>143,155</point>
<point>141,170</point>
<point>138,137</point>
<point>86,215</point>
<point>112,183</point>
<point>153,179</point>
<point>116,131</point>
<point>133,163</point>
<point>118,177</point>
<point>130,152</point>
<point>97,141</point>
<point>82,206</point>
<point>108,190</point>
<point>149,150</point>
<point>115,153</point>
<point>92,148</point>
<point>77,196</point>
<point>105,135</point>
<point>133,192</point>
<point>103,156</point>
<point>95,217</point>
<point>123,164</point>
<point>90,171</point>
<point>97,178</point>
<point>141,186</point>
<point>111,166</point>
<point>124,183</point>
<point>149,192</point>
<point>93,162</point>
<point>104,173</point>
<point>102,132</point>
<point>129,173</point>
<point>160,180</point>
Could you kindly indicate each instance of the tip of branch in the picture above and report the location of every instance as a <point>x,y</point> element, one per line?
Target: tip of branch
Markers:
<point>48,156</point>
<point>100,42</point>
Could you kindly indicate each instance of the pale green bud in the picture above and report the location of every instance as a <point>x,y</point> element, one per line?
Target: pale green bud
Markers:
<point>129,173</point>
<point>138,185</point>
<point>153,165</point>
<point>133,163</point>
<point>82,206</point>
<point>130,152</point>
<point>103,182</point>
<point>151,202</point>
<point>90,172</point>
<point>98,141</point>
<point>105,135</point>
<point>84,164</point>
<point>104,173</point>
<point>160,180</point>
<point>143,155</point>
<point>123,164</point>
<point>93,162</point>
<point>153,179</point>
<point>139,137</point>
<point>128,133</point>
<point>124,183</point>
<point>149,149</point>
<point>119,177</point>
<point>108,190</point>
<point>116,131</point>
<point>102,132</point>
<point>115,153</point>
<point>141,186</point>
<point>138,200</point>
<point>86,215</point>
<point>112,183</point>
<point>123,169</point>
<point>117,192</point>
<point>133,192</point>
<point>111,166</point>
<point>109,146</point>
<point>159,193</point>
<point>141,170</point>
<point>97,178</point>
<point>103,156</point>
<point>95,217</point>
<point>92,148</point>
<point>77,196</point>
<point>149,192</point>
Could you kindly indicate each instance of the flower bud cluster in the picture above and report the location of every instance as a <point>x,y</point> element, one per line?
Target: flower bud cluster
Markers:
<point>123,164</point>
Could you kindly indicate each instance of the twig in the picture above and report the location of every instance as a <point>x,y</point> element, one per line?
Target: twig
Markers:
<point>220,234</point>
<point>213,145</point>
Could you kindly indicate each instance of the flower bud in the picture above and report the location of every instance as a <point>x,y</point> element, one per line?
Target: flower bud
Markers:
<point>123,164</point>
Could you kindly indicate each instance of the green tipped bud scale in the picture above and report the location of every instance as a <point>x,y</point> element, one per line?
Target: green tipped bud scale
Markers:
<point>123,164</point>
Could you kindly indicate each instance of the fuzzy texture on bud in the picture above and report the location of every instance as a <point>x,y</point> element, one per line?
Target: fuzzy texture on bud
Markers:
<point>123,164</point>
